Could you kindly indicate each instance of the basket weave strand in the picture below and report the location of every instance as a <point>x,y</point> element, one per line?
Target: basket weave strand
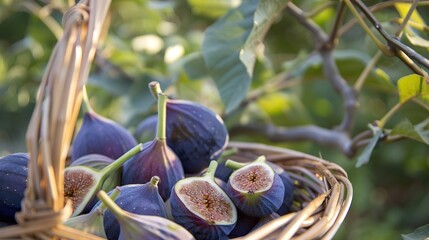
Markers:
<point>51,126</point>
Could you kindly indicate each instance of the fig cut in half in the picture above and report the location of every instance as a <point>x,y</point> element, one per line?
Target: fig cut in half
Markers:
<point>82,183</point>
<point>202,207</point>
<point>255,188</point>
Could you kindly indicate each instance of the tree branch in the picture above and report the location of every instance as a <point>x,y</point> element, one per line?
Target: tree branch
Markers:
<point>322,136</point>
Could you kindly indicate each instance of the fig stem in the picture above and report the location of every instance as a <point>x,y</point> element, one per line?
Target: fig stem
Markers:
<point>110,204</point>
<point>118,162</point>
<point>227,153</point>
<point>234,165</point>
<point>113,195</point>
<point>260,159</point>
<point>154,181</point>
<point>155,89</point>
<point>162,116</point>
<point>86,100</point>
<point>210,173</point>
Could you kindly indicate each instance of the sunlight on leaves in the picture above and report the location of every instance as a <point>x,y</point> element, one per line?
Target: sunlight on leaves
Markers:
<point>416,22</point>
<point>421,233</point>
<point>212,8</point>
<point>411,86</point>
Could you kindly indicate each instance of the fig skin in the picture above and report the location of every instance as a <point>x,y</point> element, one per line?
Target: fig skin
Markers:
<point>103,136</point>
<point>289,188</point>
<point>261,202</point>
<point>156,159</point>
<point>194,132</point>
<point>13,182</point>
<point>137,227</point>
<point>198,226</point>
<point>245,224</point>
<point>142,199</point>
<point>146,129</point>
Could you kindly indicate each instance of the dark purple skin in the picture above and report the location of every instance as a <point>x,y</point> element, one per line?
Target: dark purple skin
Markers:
<point>261,205</point>
<point>265,219</point>
<point>199,228</point>
<point>101,136</point>
<point>223,172</point>
<point>156,159</point>
<point>142,199</point>
<point>13,181</point>
<point>146,130</point>
<point>289,188</point>
<point>195,133</point>
<point>245,224</point>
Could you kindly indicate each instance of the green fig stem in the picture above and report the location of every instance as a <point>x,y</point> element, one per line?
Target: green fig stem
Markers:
<point>110,204</point>
<point>162,116</point>
<point>226,154</point>
<point>210,173</point>
<point>155,89</point>
<point>154,181</point>
<point>234,165</point>
<point>113,195</point>
<point>86,102</point>
<point>118,162</point>
<point>260,159</point>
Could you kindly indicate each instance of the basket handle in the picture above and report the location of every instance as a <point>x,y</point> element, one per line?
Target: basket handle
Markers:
<point>51,127</point>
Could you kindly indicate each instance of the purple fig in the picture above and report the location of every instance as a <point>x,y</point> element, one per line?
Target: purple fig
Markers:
<point>13,181</point>
<point>195,133</point>
<point>289,188</point>
<point>255,188</point>
<point>101,136</point>
<point>156,159</point>
<point>92,222</point>
<point>81,183</point>
<point>202,207</point>
<point>146,130</point>
<point>245,224</point>
<point>141,199</point>
<point>137,227</point>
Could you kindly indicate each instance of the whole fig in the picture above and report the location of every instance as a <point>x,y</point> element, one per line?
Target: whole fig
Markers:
<point>138,227</point>
<point>195,133</point>
<point>156,159</point>
<point>255,188</point>
<point>141,199</point>
<point>202,207</point>
<point>13,181</point>
<point>101,136</point>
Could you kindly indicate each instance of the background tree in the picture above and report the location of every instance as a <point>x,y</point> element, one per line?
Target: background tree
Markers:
<point>344,80</point>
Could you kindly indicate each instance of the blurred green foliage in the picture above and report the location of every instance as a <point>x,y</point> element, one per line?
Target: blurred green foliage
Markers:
<point>162,40</point>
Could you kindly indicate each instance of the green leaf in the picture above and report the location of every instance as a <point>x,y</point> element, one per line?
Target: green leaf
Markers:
<point>230,43</point>
<point>411,86</point>
<point>366,154</point>
<point>194,66</point>
<point>415,23</point>
<point>212,8</point>
<point>421,233</point>
<point>417,132</point>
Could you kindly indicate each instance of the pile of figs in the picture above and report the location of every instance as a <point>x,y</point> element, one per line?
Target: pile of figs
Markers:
<point>179,185</point>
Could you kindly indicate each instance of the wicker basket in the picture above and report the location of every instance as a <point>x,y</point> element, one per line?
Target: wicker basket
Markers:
<point>322,195</point>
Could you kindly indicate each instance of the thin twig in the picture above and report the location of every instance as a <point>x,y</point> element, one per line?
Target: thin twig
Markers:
<point>406,19</point>
<point>319,135</point>
<point>333,37</point>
